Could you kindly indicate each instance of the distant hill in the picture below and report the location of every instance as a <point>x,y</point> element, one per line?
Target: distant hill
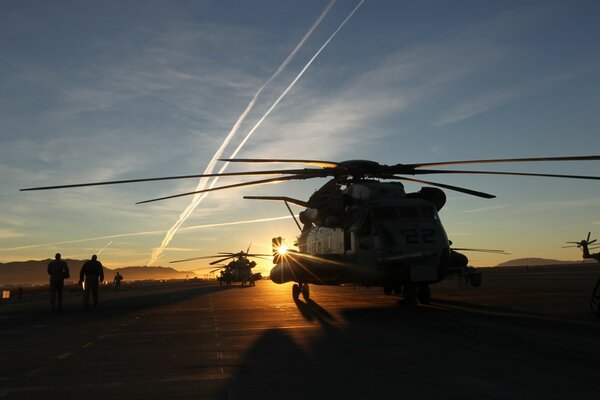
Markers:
<point>533,262</point>
<point>34,272</point>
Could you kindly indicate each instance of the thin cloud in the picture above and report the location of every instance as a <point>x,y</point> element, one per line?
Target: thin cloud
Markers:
<point>498,97</point>
<point>564,204</point>
<point>485,209</point>
<point>8,234</point>
<point>145,233</point>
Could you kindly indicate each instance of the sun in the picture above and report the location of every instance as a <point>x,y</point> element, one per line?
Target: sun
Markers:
<point>282,250</point>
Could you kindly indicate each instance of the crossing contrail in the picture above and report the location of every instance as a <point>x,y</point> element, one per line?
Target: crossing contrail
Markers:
<point>102,249</point>
<point>156,253</point>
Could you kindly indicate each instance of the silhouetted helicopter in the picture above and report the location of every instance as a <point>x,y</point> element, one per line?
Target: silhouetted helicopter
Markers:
<point>358,229</point>
<point>239,269</point>
<point>584,245</point>
<point>467,275</point>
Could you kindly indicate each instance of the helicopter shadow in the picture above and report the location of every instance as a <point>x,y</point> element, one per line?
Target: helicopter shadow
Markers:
<point>312,311</point>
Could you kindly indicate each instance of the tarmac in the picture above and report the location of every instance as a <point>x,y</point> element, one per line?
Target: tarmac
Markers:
<point>524,334</point>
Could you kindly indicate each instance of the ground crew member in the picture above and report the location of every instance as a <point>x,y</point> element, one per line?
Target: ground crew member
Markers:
<point>58,271</point>
<point>117,281</point>
<point>93,273</point>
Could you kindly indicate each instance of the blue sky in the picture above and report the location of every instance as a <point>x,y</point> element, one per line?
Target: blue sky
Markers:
<point>118,90</point>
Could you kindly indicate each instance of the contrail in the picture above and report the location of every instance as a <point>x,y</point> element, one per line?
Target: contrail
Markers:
<point>203,181</point>
<point>285,92</point>
<point>102,249</point>
<point>146,233</point>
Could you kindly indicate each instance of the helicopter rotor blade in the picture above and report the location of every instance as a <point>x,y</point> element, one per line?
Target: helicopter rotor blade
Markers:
<point>251,183</point>
<point>593,241</point>
<point>481,250</point>
<point>503,160</point>
<point>439,171</point>
<point>222,259</point>
<point>449,187</point>
<point>197,258</point>
<point>166,178</point>
<point>316,163</point>
<point>588,237</point>
<point>291,200</point>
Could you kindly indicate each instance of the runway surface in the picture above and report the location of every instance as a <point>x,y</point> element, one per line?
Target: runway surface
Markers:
<point>522,335</point>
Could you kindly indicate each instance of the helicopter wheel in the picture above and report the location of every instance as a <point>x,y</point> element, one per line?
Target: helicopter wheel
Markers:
<point>595,302</point>
<point>463,281</point>
<point>305,291</point>
<point>409,293</point>
<point>423,293</point>
<point>295,292</point>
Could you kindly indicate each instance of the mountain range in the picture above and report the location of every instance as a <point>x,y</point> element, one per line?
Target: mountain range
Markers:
<point>34,272</point>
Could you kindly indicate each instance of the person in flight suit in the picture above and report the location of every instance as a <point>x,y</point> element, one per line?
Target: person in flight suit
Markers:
<point>58,271</point>
<point>93,273</point>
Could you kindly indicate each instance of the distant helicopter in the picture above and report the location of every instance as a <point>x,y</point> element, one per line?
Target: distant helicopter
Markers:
<point>360,230</point>
<point>239,269</point>
<point>584,245</point>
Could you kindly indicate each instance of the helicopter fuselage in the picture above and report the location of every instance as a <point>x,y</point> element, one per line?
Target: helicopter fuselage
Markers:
<point>379,237</point>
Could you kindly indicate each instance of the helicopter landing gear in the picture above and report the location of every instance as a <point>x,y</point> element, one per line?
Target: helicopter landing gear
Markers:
<point>595,302</point>
<point>300,289</point>
<point>305,291</point>
<point>409,295</point>
<point>423,293</point>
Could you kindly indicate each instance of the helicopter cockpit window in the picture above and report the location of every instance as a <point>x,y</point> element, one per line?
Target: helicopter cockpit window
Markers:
<point>408,212</point>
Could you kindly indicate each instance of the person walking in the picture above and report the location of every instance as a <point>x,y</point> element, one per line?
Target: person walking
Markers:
<point>58,271</point>
<point>117,281</point>
<point>91,274</point>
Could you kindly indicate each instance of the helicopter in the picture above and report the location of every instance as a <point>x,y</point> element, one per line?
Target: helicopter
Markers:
<point>584,245</point>
<point>239,269</point>
<point>362,227</point>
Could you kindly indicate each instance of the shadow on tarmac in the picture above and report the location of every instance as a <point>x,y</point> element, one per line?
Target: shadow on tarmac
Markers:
<point>110,304</point>
<point>414,352</point>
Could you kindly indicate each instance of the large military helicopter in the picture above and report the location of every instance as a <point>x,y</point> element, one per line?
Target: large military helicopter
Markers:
<point>584,245</point>
<point>360,230</point>
<point>239,269</point>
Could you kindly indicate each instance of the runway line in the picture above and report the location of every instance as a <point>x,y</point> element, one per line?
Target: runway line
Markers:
<point>34,371</point>
<point>64,355</point>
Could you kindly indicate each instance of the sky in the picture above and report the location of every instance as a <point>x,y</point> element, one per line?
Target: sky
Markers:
<point>111,90</point>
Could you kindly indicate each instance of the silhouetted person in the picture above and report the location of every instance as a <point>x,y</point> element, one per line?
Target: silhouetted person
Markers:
<point>58,271</point>
<point>117,281</point>
<point>94,274</point>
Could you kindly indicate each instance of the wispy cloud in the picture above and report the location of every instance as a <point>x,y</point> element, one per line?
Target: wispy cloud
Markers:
<point>564,204</point>
<point>498,96</point>
<point>7,234</point>
<point>145,233</point>
<point>485,209</point>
